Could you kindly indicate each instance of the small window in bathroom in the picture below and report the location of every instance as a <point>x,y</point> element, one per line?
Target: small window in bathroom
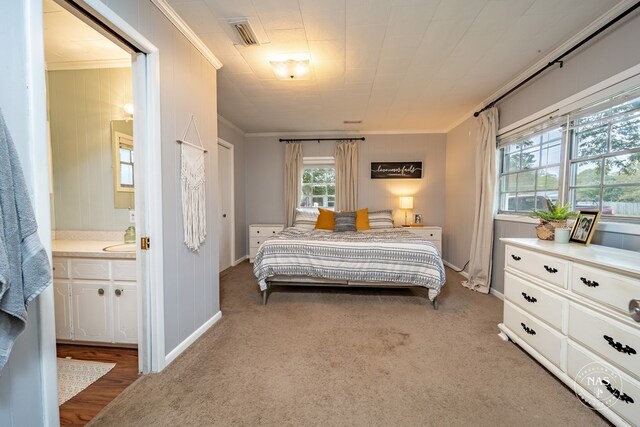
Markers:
<point>124,162</point>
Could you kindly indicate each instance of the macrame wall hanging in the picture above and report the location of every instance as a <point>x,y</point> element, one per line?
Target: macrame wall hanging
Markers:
<point>194,214</point>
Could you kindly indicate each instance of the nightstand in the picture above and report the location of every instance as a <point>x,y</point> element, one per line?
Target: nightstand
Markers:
<point>258,233</point>
<point>433,234</point>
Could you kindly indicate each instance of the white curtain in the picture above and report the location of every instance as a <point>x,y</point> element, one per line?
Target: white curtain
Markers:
<point>484,209</point>
<point>292,179</point>
<point>346,176</point>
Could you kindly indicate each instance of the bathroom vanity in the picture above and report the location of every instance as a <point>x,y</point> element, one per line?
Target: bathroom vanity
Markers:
<point>95,292</point>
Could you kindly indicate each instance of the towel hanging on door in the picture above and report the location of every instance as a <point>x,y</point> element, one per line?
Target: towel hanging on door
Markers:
<point>194,214</point>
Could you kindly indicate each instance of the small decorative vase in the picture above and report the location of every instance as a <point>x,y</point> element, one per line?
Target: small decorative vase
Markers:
<point>546,229</point>
<point>561,235</point>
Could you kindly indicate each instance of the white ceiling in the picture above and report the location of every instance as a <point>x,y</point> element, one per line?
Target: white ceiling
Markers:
<point>397,65</point>
<point>71,44</point>
<point>401,65</point>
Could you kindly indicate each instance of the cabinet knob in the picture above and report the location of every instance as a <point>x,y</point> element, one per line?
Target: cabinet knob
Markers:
<point>224,215</point>
<point>515,257</point>
<point>257,231</point>
<point>118,292</point>
<point>100,291</point>
<point>634,309</point>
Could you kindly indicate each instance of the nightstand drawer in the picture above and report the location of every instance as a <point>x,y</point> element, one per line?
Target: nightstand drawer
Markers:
<point>535,300</point>
<point>264,230</point>
<point>548,268</point>
<point>255,242</point>
<point>542,338</point>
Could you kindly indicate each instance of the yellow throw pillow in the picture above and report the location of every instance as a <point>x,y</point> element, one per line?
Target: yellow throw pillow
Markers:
<point>325,221</point>
<point>362,219</point>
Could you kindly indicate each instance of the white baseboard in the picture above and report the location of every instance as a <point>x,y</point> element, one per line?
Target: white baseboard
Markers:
<point>191,339</point>
<point>463,273</point>
<point>496,294</point>
<point>239,260</point>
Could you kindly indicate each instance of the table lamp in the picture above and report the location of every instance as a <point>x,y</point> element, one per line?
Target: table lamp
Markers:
<point>406,203</point>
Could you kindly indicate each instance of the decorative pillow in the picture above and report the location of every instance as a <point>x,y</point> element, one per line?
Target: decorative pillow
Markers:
<point>305,218</point>
<point>325,220</point>
<point>381,219</point>
<point>345,221</point>
<point>362,219</point>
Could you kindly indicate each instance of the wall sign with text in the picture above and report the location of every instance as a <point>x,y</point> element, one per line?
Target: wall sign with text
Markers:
<point>394,170</point>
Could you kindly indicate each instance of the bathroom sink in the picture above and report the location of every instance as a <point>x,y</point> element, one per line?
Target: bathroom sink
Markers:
<point>122,247</point>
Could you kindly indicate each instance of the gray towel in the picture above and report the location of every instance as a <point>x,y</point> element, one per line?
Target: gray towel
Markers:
<point>24,265</point>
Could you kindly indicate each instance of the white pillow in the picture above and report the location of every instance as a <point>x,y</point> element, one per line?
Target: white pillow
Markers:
<point>306,218</point>
<point>379,220</point>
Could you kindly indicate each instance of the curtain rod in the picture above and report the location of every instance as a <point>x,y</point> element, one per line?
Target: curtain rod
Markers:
<point>559,59</point>
<point>361,138</point>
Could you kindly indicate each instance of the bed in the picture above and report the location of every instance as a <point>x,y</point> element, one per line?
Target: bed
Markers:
<point>376,258</point>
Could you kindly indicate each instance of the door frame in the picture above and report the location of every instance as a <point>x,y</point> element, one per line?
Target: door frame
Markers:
<point>232,246</point>
<point>146,94</point>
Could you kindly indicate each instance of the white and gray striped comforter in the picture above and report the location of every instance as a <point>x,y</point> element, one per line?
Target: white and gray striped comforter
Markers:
<point>390,255</point>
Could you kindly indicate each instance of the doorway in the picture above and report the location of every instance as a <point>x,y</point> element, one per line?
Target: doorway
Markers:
<point>226,203</point>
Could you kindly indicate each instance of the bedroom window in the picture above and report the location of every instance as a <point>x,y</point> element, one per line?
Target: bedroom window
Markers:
<point>530,170</point>
<point>318,182</point>
<point>589,157</point>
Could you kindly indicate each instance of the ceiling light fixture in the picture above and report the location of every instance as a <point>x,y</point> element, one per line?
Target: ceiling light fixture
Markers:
<point>291,69</point>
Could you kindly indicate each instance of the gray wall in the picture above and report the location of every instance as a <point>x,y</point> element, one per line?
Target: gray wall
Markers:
<point>614,53</point>
<point>187,86</point>
<point>264,175</point>
<point>460,193</point>
<point>236,137</point>
<point>82,104</point>
<point>21,382</point>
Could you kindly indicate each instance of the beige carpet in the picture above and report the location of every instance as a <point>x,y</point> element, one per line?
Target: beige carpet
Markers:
<point>350,357</point>
<point>76,375</point>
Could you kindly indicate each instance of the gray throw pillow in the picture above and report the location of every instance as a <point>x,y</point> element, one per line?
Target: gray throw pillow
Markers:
<point>345,221</point>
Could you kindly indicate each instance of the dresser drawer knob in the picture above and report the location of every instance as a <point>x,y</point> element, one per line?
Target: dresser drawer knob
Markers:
<point>617,394</point>
<point>634,309</point>
<point>257,231</point>
<point>528,329</point>
<point>618,346</point>
<point>516,257</point>
<point>528,298</point>
<point>589,283</point>
<point>550,269</point>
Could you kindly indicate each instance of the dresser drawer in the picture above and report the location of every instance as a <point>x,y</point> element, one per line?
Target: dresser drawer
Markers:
<point>89,268</point>
<point>589,371</point>
<point>253,251</point>
<point>429,233</point>
<point>603,286</point>
<point>264,230</point>
<point>255,242</point>
<point>539,302</point>
<point>541,337</point>
<point>609,338</point>
<point>548,268</point>
<point>60,268</point>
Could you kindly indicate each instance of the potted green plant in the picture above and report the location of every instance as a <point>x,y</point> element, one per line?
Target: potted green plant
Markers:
<point>555,216</point>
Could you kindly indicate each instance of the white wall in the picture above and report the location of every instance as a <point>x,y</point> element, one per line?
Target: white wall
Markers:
<point>22,381</point>
<point>187,87</point>
<point>235,136</point>
<point>264,179</point>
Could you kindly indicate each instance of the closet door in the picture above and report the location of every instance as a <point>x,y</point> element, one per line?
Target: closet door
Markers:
<point>225,197</point>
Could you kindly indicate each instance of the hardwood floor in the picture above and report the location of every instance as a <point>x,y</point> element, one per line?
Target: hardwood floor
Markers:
<point>81,408</point>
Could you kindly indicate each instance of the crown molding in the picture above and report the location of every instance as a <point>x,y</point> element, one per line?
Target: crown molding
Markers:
<point>343,132</point>
<point>90,64</point>
<point>184,28</point>
<point>231,125</point>
<point>575,39</point>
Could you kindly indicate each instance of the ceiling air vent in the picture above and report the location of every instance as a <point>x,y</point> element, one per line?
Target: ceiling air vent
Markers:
<point>244,30</point>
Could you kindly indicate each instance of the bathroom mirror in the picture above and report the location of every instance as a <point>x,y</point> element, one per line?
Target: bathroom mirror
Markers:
<point>123,164</point>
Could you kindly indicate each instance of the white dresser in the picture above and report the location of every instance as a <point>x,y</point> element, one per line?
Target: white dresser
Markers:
<point>569,307</point>
<point>431,233</point>
<point>258,233</point>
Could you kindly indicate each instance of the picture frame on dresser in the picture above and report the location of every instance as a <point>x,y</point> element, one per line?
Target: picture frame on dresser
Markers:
<point>584,227</point>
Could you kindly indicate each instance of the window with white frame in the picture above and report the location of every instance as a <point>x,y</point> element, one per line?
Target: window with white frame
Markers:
<point>318,182</point>
<point>589,158</point>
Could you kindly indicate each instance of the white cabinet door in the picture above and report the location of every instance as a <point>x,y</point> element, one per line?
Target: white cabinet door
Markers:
<point>92,311</point>
<point>125,313</point>
<point>61,300</point>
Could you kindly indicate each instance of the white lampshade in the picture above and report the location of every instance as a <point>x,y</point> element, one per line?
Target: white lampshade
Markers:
<point>406,202</point>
